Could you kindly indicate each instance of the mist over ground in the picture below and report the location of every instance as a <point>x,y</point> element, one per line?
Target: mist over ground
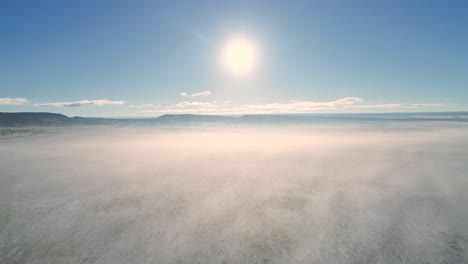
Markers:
<point>374,193</point>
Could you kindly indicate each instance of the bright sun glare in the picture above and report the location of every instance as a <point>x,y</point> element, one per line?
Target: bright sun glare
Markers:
<point>239,56</point>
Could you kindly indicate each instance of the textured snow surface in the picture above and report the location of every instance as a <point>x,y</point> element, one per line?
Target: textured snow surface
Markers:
<point>314,194</point>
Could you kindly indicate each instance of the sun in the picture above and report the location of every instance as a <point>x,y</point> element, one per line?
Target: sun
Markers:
<point>239,56</point>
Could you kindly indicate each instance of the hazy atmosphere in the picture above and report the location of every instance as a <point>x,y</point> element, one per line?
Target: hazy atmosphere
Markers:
<point>391,192</point>
<point>233,132</point>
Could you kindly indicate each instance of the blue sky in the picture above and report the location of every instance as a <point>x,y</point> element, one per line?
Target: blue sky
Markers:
<point>135,58</point>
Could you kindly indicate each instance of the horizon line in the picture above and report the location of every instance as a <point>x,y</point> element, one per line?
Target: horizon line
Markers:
<point>234,115</point>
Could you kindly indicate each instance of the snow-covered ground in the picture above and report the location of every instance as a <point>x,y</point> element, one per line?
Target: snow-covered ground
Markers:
<point>314,194</point>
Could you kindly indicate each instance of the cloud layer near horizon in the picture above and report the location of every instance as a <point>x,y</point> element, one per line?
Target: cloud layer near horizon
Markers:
<point>347,104</point>
<point>24,101</point>
<point>291,107</point>
<point>83,103</point>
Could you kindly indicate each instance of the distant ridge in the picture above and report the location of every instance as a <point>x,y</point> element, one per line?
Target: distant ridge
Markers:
<point>33,119</point>
<point>54,119</point>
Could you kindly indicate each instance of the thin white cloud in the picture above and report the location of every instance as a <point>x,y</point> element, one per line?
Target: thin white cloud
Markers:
<point>348,101</point>
<point>83,103</point>
<point>397,106</point>
<point>204,93</point>
<point>347,104</point>
<point>13,101</point>
<point>305,106</point>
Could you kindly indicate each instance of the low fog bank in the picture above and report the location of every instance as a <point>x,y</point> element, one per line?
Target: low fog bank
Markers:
<point>387,193</point>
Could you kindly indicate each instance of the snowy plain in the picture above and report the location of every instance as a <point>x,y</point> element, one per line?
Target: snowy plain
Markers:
<point>375,193</point>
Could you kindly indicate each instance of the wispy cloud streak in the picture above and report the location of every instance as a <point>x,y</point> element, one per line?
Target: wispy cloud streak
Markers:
<point>199,94</point>
<point>13,101</point>
<point>204,93</point>
<point>83,103</point>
